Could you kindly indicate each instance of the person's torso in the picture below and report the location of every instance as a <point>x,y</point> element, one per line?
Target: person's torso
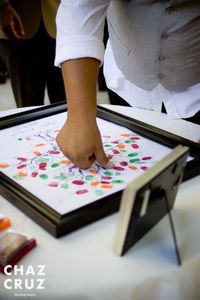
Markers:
<point>156,41</point>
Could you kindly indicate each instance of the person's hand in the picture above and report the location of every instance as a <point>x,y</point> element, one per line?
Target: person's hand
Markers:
<point>11,23</point>
<point>80,141</point>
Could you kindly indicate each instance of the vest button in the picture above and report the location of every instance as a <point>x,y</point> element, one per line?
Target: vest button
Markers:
<point>161,57</point>
<point>164,36</point>
<point>160,76</point>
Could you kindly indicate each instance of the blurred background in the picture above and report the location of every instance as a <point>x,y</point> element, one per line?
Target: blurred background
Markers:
<point>7,99</point>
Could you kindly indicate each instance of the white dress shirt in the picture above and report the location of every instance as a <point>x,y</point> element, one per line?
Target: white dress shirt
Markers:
<point>80,27</point>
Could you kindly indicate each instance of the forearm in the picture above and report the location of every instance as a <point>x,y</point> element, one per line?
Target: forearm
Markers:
<point>79,52</point>
<point>80,78</point>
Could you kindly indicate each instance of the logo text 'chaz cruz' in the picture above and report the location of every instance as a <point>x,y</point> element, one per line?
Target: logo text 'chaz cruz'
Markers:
<point>31,278</point>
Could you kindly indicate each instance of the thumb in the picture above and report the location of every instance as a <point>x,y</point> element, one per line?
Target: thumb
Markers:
<point>18,27</point>
<point>102,159</point>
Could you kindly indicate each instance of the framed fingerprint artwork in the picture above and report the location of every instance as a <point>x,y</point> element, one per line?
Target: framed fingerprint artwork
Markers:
<point>39,180</point>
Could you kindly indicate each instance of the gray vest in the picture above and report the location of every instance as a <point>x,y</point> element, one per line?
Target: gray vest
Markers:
<point>156,41</point>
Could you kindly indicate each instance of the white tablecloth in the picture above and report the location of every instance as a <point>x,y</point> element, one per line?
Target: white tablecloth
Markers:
<point>82,265</point>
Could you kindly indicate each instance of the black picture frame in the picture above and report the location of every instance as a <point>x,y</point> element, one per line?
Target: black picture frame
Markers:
<point>148,199</point>
<point>59,225</point>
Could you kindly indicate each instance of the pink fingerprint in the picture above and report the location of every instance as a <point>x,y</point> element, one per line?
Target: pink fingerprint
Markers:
<point>80,192</point>
<point>54,152</point>
<point>78,182</point>
<point>134,146</point>
<point>22,158</point>
<point>146,158</point>
<point>144,168</point>
<point>53,184</point>
<point>118,168</point>
<point>116,151</point>
<point>21,166</point>
<point>123,163</point>
<point>34,174</point>
<point>42,166</point>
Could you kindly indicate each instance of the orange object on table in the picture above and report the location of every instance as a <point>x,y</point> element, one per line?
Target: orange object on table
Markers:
<point>4,222</point>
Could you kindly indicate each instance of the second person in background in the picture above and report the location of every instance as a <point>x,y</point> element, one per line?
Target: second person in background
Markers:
<point>27,46</point>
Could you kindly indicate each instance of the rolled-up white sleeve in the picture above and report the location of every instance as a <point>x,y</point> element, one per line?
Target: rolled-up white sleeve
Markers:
<point>80,26</point>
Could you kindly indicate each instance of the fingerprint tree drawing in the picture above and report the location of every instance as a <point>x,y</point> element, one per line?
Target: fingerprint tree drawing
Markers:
<point>38,164</point>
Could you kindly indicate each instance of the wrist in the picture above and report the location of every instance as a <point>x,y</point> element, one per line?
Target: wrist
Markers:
<point>80,116</point>
<point>81,108</point>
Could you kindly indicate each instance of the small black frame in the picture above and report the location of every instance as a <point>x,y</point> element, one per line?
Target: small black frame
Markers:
<point>147,199</point>
<point>59,225</point>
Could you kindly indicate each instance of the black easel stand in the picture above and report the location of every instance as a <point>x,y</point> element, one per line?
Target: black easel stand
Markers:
<point>172,229</point>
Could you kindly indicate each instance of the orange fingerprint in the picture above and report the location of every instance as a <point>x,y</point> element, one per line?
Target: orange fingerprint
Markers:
<point>94,183</point>
<point>121,146</point>
<point>133,168</point>
<point>37,153</point>
<point>39,145</point>
<point>125,134</point>
<point>106,186</point>
<point>65,161</point>
<point>22,174</point>
<point>92,171</point>
<point>3,166</point>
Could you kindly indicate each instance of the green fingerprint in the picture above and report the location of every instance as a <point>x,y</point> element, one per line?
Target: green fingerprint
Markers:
<point>61,176</point>
<point>117,181</point>
<point>132,154</point>
<point>43,159</point>
<point>43,176</point>
<point>134,160</point>
<point>89,177</point>
<point>99,192</point>
<point>128,141</point>
<point>118,173</point>
<point>65,186</point>
<point>108,173</point>
<point>54,165</point>
<point>17,177</point>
